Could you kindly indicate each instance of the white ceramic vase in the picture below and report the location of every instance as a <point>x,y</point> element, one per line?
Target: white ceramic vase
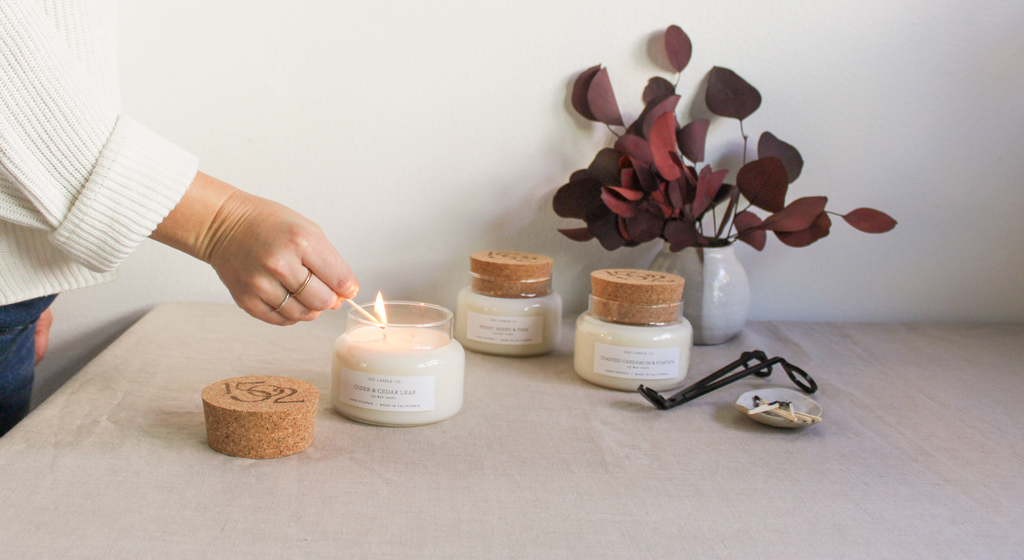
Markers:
<point>716,297</point>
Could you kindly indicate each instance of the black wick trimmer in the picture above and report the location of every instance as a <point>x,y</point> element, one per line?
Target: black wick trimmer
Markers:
<point>762,367</point>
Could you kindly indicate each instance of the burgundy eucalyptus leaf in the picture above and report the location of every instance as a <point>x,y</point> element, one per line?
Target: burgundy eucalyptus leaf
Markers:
<point>647,225</point>
<point>628,194</point>
<point>579,175</point>
<point>870,220</point>
<point>668,105</point>
<point>635,147</point>
<point>629,178</point>
<point>680,235</point>
<point>764,183</point>
<point>577,198</point>
<point>797,215</point>
<point>605,167</point>
<point>756,238</point>
<point>621,207</point>
<point>622,230</point>
<point>724,192</point>
<point>690,175</point>
<point>708,184</point>
<point>658,89</point>
<point>646,177</point>
<point>662,203</point>
<point>605,227</point>
<point>748,226</point>
<point>577,234</point>
<point>601,99</point>
<point>819,229</point>
<point>579,92</point>
<point>746,220</point>
<point>675,194</point>
<point>663,143</point>
<point>654,106</point>
<point>729,95</point>
<point>768,145</point>
<point>678,47</point>
<point>692,139</point>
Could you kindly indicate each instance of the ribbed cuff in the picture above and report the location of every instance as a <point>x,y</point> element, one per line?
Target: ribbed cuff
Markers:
<point>138,179</point>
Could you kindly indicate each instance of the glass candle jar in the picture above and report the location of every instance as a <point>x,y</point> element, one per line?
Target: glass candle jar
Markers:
<point>407,373</point>
<point>509,308</point>
<point>634,333</point>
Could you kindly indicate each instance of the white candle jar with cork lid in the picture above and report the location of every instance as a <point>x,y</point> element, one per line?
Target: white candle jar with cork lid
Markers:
<point>509,308</point>
<point>634,331</point>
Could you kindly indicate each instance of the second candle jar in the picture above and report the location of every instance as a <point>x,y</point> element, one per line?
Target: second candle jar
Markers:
<point>634,331</point>
<point>509,308</point>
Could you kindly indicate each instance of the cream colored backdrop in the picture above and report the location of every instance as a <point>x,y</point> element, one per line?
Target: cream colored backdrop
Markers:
<point>417,132</point>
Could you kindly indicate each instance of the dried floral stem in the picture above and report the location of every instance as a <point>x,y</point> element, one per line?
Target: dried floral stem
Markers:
<point>744,134</point>
<point>617,135</point>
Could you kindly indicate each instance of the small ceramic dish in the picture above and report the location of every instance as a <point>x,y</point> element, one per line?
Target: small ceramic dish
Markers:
<point>801,404</point>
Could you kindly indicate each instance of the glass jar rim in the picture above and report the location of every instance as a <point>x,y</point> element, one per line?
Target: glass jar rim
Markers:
<point>447,315</point>
<point>500,279</point>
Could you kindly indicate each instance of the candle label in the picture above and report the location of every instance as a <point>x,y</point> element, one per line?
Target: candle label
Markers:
<point>504,330</point>
<point>387,392</point>
<point>636,363</point>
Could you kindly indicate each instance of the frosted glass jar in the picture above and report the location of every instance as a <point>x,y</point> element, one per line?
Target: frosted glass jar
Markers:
<point>509,308</point>
<point>409,373</point>
<point>633,332</point>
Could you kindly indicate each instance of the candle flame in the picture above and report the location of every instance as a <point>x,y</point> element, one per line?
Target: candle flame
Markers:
<point>378,309</point>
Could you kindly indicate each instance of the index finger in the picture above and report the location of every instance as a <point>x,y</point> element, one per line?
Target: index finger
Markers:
<point>331,269</point>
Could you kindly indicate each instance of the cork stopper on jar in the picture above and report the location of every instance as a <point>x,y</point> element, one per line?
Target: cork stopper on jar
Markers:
<point>260,416</point>
<point>636,297</point>
<point>510,274</point>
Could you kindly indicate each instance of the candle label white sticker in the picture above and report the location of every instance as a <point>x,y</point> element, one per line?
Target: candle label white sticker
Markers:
<point>636,363</point>
<point>497,329</point>
<point>387,392</point>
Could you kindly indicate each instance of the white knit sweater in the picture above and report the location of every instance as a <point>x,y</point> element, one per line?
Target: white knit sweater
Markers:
<point>81,185</point>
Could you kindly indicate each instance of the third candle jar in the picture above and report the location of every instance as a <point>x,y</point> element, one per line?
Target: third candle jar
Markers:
<point>634,331</point>
<point>509,309</point>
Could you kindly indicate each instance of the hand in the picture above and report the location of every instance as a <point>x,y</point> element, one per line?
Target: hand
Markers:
<point>43,334</point>
<point>261,250</point>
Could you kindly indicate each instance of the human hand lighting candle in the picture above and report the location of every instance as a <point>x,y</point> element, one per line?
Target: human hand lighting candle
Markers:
<point>401,369</point>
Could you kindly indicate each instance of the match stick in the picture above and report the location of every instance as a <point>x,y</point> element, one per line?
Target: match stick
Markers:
<point>365,313</point>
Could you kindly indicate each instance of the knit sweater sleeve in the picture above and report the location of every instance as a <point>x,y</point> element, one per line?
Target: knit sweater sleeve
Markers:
<point>101,180</point>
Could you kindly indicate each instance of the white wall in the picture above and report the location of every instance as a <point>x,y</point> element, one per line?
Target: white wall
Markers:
<point>417,132</point>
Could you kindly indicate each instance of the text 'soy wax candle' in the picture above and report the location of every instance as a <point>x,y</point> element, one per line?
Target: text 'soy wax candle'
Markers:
<point>509,308</point>
<point>634,332</point>
<point>407,372</point>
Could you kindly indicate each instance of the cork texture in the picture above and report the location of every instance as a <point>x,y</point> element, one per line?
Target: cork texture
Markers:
<point>510,274</point>
<point>260,416</point>
<point>637,297</point>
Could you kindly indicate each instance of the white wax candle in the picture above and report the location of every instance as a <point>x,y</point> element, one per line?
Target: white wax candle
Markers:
<point>508,326</point>
<point>397,376</point>
<point>623,357</point>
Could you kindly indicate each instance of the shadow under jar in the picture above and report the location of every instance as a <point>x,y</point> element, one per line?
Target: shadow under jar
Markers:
<point>407,373</point>
<point>509,309</point>
<point>633,331</point>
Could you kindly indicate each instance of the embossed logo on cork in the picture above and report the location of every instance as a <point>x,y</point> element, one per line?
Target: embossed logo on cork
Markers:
<point>512,256</point>
<point>641,275</point>
<point>259,391</point>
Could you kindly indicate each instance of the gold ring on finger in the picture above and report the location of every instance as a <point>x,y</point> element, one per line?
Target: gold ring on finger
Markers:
<point>304,284</point>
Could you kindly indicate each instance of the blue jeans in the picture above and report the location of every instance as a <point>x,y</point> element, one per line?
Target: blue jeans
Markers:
<point>18,357</point>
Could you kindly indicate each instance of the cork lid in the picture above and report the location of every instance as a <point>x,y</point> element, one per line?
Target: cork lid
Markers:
<point>510,274</point>
<point>639,297</point>
<point>260,416</point>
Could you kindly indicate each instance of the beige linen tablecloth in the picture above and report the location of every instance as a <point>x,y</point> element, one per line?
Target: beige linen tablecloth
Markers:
<point>919,456</point>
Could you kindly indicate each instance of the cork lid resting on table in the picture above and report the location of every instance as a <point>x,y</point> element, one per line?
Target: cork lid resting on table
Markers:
<point>260,416</point>
<point>637,297</point>
<point>510,274</point>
